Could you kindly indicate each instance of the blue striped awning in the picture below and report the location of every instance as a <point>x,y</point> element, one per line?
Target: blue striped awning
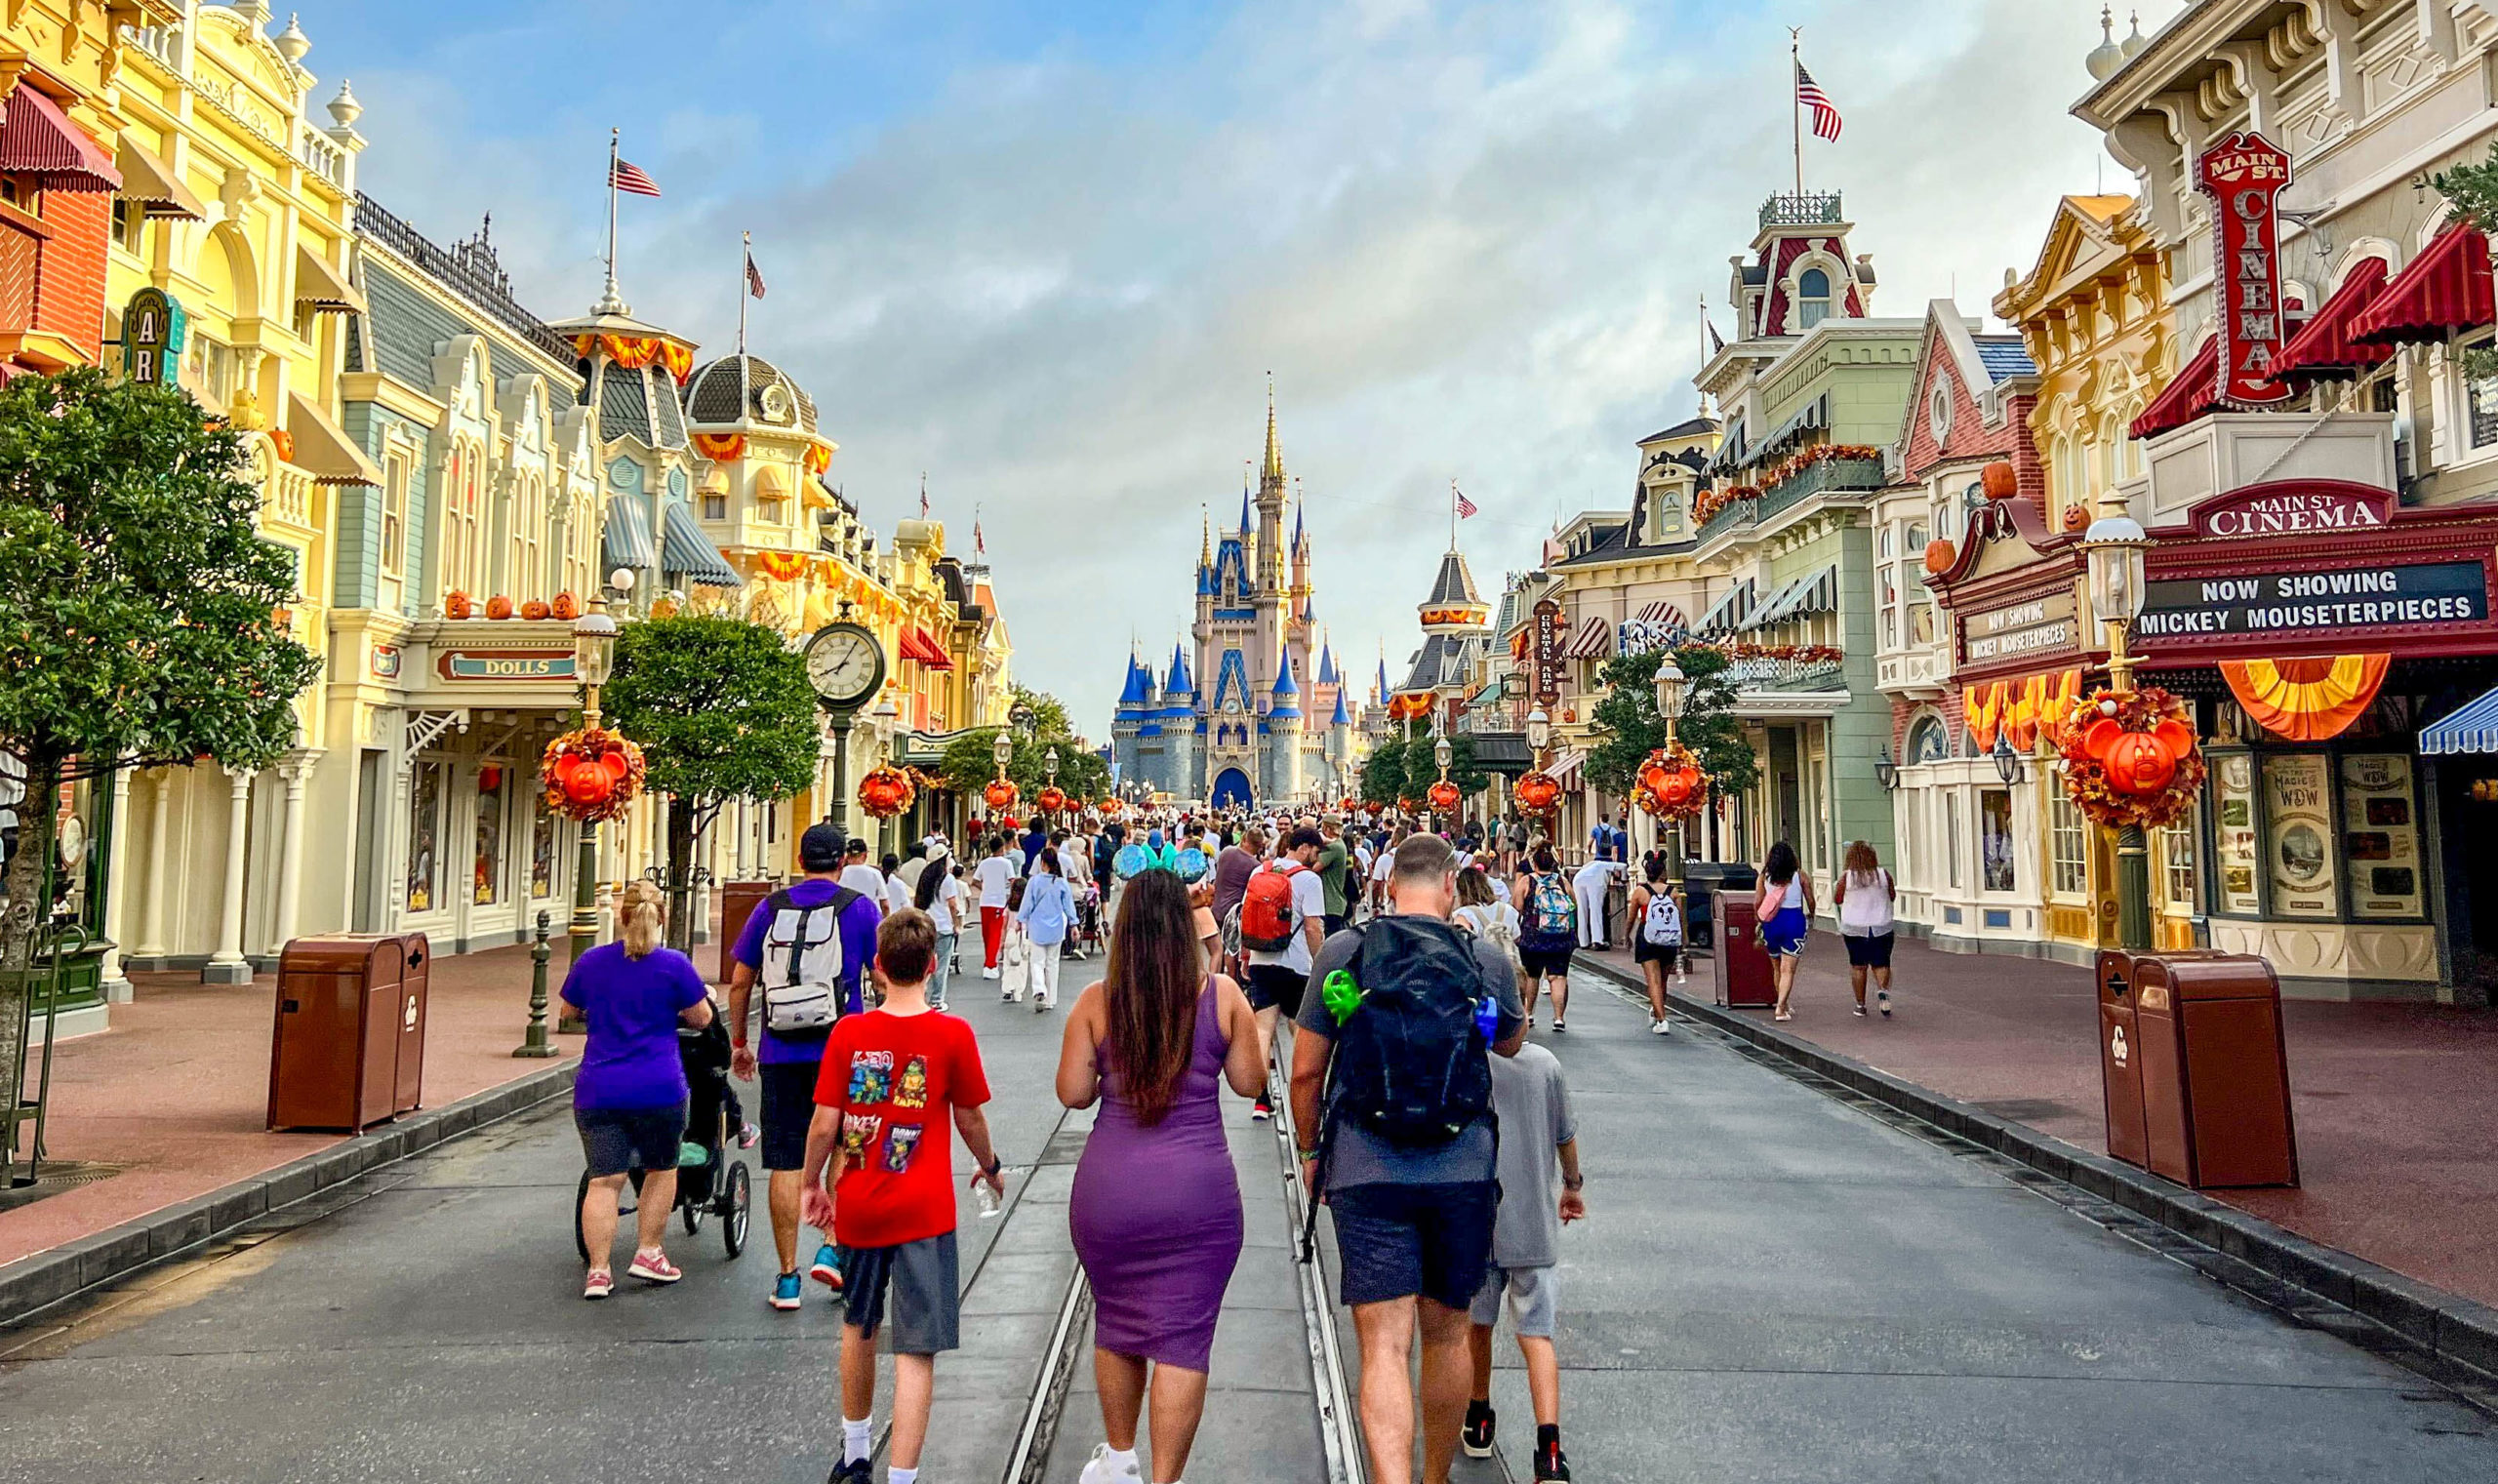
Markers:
<point>691,554</point>
<point>2472,727</point>
<point>626,541</point>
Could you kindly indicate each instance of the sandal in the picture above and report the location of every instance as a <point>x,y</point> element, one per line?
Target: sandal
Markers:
<point>1783,1015</point>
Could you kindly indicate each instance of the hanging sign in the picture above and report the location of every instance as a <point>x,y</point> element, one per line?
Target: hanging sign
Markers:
<point>1549,666</point>
<point>152,326</point>
<point>2042,626</point>
<point>2245,175</point>
<point>505,664</point>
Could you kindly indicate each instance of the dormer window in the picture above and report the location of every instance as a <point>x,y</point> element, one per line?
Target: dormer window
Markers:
<point>1812,298</point>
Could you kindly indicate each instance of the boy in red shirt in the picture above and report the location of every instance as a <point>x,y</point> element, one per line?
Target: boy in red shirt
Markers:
<point>890,1078</point>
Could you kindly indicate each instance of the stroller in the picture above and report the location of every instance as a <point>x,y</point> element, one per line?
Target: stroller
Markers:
<point>709,1179</point>
<point>1087,936</point>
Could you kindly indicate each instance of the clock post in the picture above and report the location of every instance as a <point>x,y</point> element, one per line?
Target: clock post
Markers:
<point>846,665</point>
<point>838,808</point>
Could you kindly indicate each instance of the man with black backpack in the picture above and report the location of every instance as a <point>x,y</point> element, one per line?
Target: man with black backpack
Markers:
<point>1392,1101</point>
<point>810,946</point>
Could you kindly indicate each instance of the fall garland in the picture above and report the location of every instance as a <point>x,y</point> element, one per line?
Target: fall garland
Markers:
<point>591,774</point>
<point>1669,785</point>
<point>1825,453</point>
<point>2131,759</point>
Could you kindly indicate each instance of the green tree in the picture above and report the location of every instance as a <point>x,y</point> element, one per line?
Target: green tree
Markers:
<point>1382,775</point>
<point>1631,729</point>
<point>1049,714</point>
<point>722,709</point>
<point>968,765</point>
<point>2473,192</point>
<point>139,611</point>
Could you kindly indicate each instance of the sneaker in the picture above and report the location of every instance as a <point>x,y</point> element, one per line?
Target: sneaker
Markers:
<point>988,972</point>
<point>856,1473</point>
<point>1043,1004</point>
<point>827,1267</point>
<point>653,1266</point>
<point>1551,1463</point>
<point>1882,998</point>
<point>1558,1025</point>
<point>1012,996</point>
<point>1101,1471</point>
<point>1480,1425</point>
<point>1659,1028</point>
<point>1262,1110</point>
<point>788,1293</point>
<point>748,1135</point>
<point>601,1283</point>
<point>1856,1010</point>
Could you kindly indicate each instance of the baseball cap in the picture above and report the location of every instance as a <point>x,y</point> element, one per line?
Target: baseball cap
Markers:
<point>820,848</point>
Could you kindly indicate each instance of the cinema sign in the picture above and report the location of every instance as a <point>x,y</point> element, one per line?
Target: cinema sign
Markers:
<point>2277,509</point>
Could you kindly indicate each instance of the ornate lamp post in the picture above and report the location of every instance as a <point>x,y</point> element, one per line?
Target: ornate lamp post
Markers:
<point>2114,547</point>
<point>594,656</point>
<point>1671,683</point>
<point>1049,784</point>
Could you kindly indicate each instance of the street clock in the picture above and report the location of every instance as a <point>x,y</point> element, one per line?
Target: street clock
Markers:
<point>845,664</point>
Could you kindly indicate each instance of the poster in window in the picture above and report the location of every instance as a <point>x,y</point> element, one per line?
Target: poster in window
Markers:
<point>488,869</point>
<point>542,854</point>
<point>424,838</point>
<point>2381,835</point>
<point>1994,834</point>
<point>2300,844</point>
<point>2233,833</point>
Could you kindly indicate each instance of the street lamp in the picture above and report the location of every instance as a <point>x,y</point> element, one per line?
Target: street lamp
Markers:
<point>1886,772</point>
<point>886,719</point>
<point>1539,734</point>
<point>2007,762</point>
<point>593,659</point>
<point>2113,547</point>
<point>1049,769</point>
<point>1669,689</point>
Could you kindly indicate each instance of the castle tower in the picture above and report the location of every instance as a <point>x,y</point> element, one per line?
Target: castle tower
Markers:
<point>1284,733</point>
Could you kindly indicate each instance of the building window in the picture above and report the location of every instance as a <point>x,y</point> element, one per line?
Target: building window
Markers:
<point>425,836</point>
<point>394,514</point>
<point>542,854</point>
<point>1812,298</point>
<point>1951,835</point>
<point>1928,742</point>
<point>716,507</point>
<point>1995,821</point>
<point>2481,396</point>
<point>2066,844</point>
<point>211,367</point>
<point>2177,850</point>
<point>1890,607</point>
<point>486,871</point>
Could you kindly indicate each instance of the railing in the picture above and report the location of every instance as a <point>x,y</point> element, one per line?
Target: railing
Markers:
<point>289,497</point>
<point>1740,512</point>
<point>162,42</point>
<point>322,157</point>
<point>1812,209</point>
<point>1760,672</point>
<point>472,271</point>
<point>1829,474</point>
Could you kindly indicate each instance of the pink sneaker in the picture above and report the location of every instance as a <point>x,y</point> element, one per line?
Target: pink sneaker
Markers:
<point>653,1266</point>
<point>601,1283</point>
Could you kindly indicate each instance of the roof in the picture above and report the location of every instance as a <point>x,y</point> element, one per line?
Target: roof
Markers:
<point>1691,427</point>
<point>2105,208</point>
<point>1455,585</point>
<point>1327,665</point>
<point>404,328</point>
<point>1343,717</point>
<point>2005,356</point>
<point>1140,684</point>
<point>1285,683</point>
<point>1441,662</point>
<point>714,395</point>
<point>1181,683</point>
<point>1613,544</point>
<point>469,270</point>
<point>686,552</point>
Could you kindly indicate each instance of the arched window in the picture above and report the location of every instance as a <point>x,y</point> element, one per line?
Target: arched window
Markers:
<point>1812,298</point>
<point>1928,741</point>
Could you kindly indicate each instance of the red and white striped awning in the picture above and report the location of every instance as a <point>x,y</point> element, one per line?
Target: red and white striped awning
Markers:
<point>1594,641</point>
<point>1664,613</point>
<point>36,139</point>
<point>1569,770</point>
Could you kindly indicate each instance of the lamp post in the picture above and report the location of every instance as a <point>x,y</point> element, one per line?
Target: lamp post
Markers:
<point>593,653</point>
<point>886,718</point>
<point>1669,689</point>
<point>2114,547</point>
<point>1443,754</point>
<point>1049,769</point>
<point>1001,752</point>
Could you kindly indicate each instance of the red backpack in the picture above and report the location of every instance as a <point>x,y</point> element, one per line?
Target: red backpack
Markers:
<point>1266,910</point>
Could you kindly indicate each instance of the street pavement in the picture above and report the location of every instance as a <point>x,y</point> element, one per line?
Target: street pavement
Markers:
<point>1772,1284</point>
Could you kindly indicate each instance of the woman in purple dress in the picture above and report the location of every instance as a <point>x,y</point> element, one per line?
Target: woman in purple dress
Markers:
<point>1157,1206</point>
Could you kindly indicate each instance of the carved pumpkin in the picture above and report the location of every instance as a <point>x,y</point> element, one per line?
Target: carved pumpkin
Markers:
<point>499,607</point>
<point>885,791</point>
<point>534,609</point>
<point>565,606</point>
<point>457,605</point>
<point>2000,480</point>
<point>1939,554</point>
<point>1676,790</point>
<point>588,788</point>
<point>2076,518</point>
<point>1445,797</point>
<point>1538,792</point>
<point>1052,799</point>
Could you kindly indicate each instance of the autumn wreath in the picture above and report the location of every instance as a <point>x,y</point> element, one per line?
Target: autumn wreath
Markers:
<point>2132,759</point>
<point>591,774</point>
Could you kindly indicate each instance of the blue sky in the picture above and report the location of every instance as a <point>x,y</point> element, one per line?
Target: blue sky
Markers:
<point>1049,253</point>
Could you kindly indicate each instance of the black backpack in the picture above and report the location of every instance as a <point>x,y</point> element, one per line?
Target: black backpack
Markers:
<point>1411,1066</point>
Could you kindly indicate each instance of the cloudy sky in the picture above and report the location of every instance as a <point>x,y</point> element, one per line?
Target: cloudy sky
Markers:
<point>1049,253</point>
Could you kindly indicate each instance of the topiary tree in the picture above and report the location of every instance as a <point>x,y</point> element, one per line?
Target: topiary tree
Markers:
<point>141,615</point>
<point>722,710</point>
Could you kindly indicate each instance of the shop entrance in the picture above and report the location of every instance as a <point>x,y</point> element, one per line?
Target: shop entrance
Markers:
<point>2468,806</point>
<point>1786,797</point>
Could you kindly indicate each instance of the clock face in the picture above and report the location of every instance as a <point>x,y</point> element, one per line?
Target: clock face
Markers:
<point>844,665</point>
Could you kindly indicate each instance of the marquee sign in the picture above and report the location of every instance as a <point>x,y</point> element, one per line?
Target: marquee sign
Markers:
<point>2245,174</point>
<point>2040,627</point>
<point>2309,600</point>
<point>152,326</point>
<point>1549,668</point>
<point>2275,510</point>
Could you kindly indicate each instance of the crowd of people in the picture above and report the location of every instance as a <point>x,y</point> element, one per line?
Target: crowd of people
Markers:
<point>1387,976</point>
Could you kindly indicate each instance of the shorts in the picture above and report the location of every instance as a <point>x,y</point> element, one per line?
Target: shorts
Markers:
<point>924,1280</point>
<point>788,1108</point>
<point>1402,1241</point>
<point>1534,1295</point>
<point>1642,951</point>
<point>1333,923</point>
<point>615,1140</point>
<point>1869,952</point>
<point>1274,987</point>
<point>1545,963</point>
<point>1783,935</point>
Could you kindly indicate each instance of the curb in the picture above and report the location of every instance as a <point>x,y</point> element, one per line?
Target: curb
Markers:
<point>2449,1325</point>
<point>45,1278</point>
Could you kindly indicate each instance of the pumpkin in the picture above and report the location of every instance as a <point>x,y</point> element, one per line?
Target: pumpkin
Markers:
<point>1999,480</point>
<point>885,791</point>
<point>1000,793</point>
<point>2076,518</point>
<point>588,788</point>
<point>1939,554</point>
<point>499,607</point>
<point>535,609</point>
<point>457,605</point>
<point>1052,799</point>
<point>1445,797</point>
<point>1539,793</point>
<point>1675,790</point>
<point>565,606</point>
<point>1112,808</point>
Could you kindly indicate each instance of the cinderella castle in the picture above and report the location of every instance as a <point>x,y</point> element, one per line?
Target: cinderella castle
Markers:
<point>1253,708</point>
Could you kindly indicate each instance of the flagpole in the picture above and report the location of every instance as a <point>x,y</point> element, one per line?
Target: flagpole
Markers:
<point>1795,101</point>
<point>611,304</point>
<point>1452,515</point>
<point>745,283</point>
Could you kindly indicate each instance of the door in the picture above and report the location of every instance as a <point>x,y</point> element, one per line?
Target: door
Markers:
<point>1788,797</point>
<point>1232,790</point>
<point>371,776</point>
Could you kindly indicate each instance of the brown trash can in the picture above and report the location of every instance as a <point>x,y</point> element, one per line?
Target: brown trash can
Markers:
<point>737,901</point>
<point>2121,1058</point>
<point>348,1048</point>
<point>1745,978</point>
<point>2215,1071</point>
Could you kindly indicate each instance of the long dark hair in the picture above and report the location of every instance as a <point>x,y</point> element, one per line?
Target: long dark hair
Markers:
<point>1151,992</point>
<point>932,880</point>
<point>1780,868</point>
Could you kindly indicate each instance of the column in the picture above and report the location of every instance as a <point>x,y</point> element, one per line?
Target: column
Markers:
<point>295,772</point>
<point>227,965</point>
<point>151,933</point>
<point>116,981</point>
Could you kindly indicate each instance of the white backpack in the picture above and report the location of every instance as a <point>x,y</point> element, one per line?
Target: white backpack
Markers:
<point>1662,926</point>
<point>802,964</point>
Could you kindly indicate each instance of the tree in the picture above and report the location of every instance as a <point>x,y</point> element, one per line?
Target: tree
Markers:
<point>1049,714</point>
<point>1632,728</point>
<point>722,710</point>
<point>1383,776</point>
<point>968,765</point>
<point>141,615</point>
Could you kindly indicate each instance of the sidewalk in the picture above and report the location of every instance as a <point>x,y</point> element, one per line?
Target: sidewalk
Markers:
<point>177,1092</point>
<point>2391,1101</point>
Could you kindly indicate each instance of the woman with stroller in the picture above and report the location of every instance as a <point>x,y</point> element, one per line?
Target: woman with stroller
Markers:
<point>630,1100</point>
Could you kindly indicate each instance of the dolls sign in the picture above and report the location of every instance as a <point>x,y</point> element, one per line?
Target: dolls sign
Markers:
<point>2245,174</point>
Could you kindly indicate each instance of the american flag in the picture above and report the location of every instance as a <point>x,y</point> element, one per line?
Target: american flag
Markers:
<point>1809,92</point>
<point>753,274</point>
<point>631,179</point>
<point>1464,507</point>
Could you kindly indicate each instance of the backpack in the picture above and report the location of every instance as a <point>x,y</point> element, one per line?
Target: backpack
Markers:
<point>1133,860</point>
<point>1551,906</point>
<point>1663,927</point>
<point>1266,908</point>
<point>802,970</point>
<point>1413,1065</point>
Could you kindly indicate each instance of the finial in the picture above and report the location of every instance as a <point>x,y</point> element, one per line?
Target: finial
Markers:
<point>292,43</point>
<point>1274,466</point>
<point>2107,57</point>
<point>343,109</point>
<point>2135,40</point>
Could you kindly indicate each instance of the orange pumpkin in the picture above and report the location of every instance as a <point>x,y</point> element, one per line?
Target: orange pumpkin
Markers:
<point>1939,554</point>
<point>534,609</point>
<point>2139,763</point>
<point>457,605</point>
<point>2000,480</point>
<point>1052,799</point>
<point>499,607</point>
<point>1675,790</point>
<point>588,788</point>
<point>885,791</point>
<point>1001,793</point>
<point>1538,792</point>
<point>1445,797</point>
<point>565,606</point>
<point>2076,518</point>
<point>1112,808</point>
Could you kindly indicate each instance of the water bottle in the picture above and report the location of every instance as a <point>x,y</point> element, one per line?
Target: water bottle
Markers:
<point>989,1205</point>
<point>1487,1017</point>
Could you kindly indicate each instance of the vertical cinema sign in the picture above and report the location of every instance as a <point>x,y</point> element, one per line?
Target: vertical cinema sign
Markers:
<point>2245,175</point>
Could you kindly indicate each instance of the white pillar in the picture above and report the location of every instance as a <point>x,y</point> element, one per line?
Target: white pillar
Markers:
<point>151,933</point>
<point>117,986</point>
<point>227,965</point>
<point>289,860</point>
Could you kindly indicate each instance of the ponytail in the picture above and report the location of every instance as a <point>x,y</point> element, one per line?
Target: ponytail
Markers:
<point>638,918</point>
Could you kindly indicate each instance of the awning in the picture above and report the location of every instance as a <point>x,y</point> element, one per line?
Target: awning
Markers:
<point>152,184</point>
<point>1594,640</point>
<point>626,540</point>
<point>2324,349</point>
<point>36,139</point>
<point>2472,727</point>
<point>1662,613</point>
<point>1812,417</point>
<point>1729,611</point>
<point>323,448</point>
<point>2307,700</point>
<point>1815,592</point>
<point>2445,290</point>
<point>322,286</point>
<point>690,554</point>
<point>1569,770</point>
<point>918,644</point>
<point>2194,393</point>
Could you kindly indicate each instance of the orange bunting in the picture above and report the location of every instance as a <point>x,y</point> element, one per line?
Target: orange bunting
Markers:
<point>678,359</point>
<point>819,457</point>
<point>2307,700</point>
<point>1982,706</point>
<point>782,566</point>
<point>724,448</point>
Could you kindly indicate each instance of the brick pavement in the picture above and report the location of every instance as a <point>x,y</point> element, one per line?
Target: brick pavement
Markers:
<point>2391,1101</point>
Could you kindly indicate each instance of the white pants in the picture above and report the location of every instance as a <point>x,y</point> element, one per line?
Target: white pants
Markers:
<point>1590,915</point>
<point>1044,972</point>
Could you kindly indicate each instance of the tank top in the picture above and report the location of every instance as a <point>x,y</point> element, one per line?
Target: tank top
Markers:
<point>1866,911</point>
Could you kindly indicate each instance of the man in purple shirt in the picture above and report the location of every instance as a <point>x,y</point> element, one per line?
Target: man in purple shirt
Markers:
<point>787,1064</point>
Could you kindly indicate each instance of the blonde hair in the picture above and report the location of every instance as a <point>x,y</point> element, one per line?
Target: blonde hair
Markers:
<point>638,915</point>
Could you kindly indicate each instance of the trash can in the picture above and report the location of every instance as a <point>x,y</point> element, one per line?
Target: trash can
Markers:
<point>2120,1061</point>
<point>2215,1072</point>
<point>348,1048</point>
<point>1703,880</point>
<point>1745,978</point>
<point>737,901</point>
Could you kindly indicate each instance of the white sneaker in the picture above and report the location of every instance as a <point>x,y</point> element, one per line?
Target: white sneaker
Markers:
<point>1041,1005</point>
<point>1659,1028</point>
<point>1012,996</point>
<point>1100,1471</point>
<point>989,974</point>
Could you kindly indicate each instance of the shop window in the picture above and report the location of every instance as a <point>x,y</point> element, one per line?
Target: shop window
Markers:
<point>2068,843</point>
<point>1994,839</point>
<point>2298,821</point>
<point>2178,849</point>
<point>2234,839</point>
<point>1952,836</point>
<point>425,836</point>
<point>486,869</point>
<point>2381,835</point>
<point>542,854</point>
<point>1812,298</point>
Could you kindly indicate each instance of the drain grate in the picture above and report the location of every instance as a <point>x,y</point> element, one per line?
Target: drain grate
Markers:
<point>56,1176</point>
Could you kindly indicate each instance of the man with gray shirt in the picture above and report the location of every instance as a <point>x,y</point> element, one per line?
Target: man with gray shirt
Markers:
<point>1413,1218</point>
<point>1539,1141</point>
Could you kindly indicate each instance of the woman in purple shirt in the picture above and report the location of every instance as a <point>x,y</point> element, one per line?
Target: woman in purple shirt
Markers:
<point>629,1100</point>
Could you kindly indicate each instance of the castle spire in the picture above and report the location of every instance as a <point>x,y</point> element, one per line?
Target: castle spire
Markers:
<point>1274,465</point>
<point>1205,537</point>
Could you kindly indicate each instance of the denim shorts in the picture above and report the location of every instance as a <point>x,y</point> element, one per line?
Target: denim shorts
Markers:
<point>1400,1241</point>
<point>615,1140</point>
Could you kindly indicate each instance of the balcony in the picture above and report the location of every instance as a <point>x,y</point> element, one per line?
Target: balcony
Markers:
<point>1827,475</point>
<point>1808,208</point>
<point>1761,672</point>
<point>2228,451</point>
<point>1737,514</point>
